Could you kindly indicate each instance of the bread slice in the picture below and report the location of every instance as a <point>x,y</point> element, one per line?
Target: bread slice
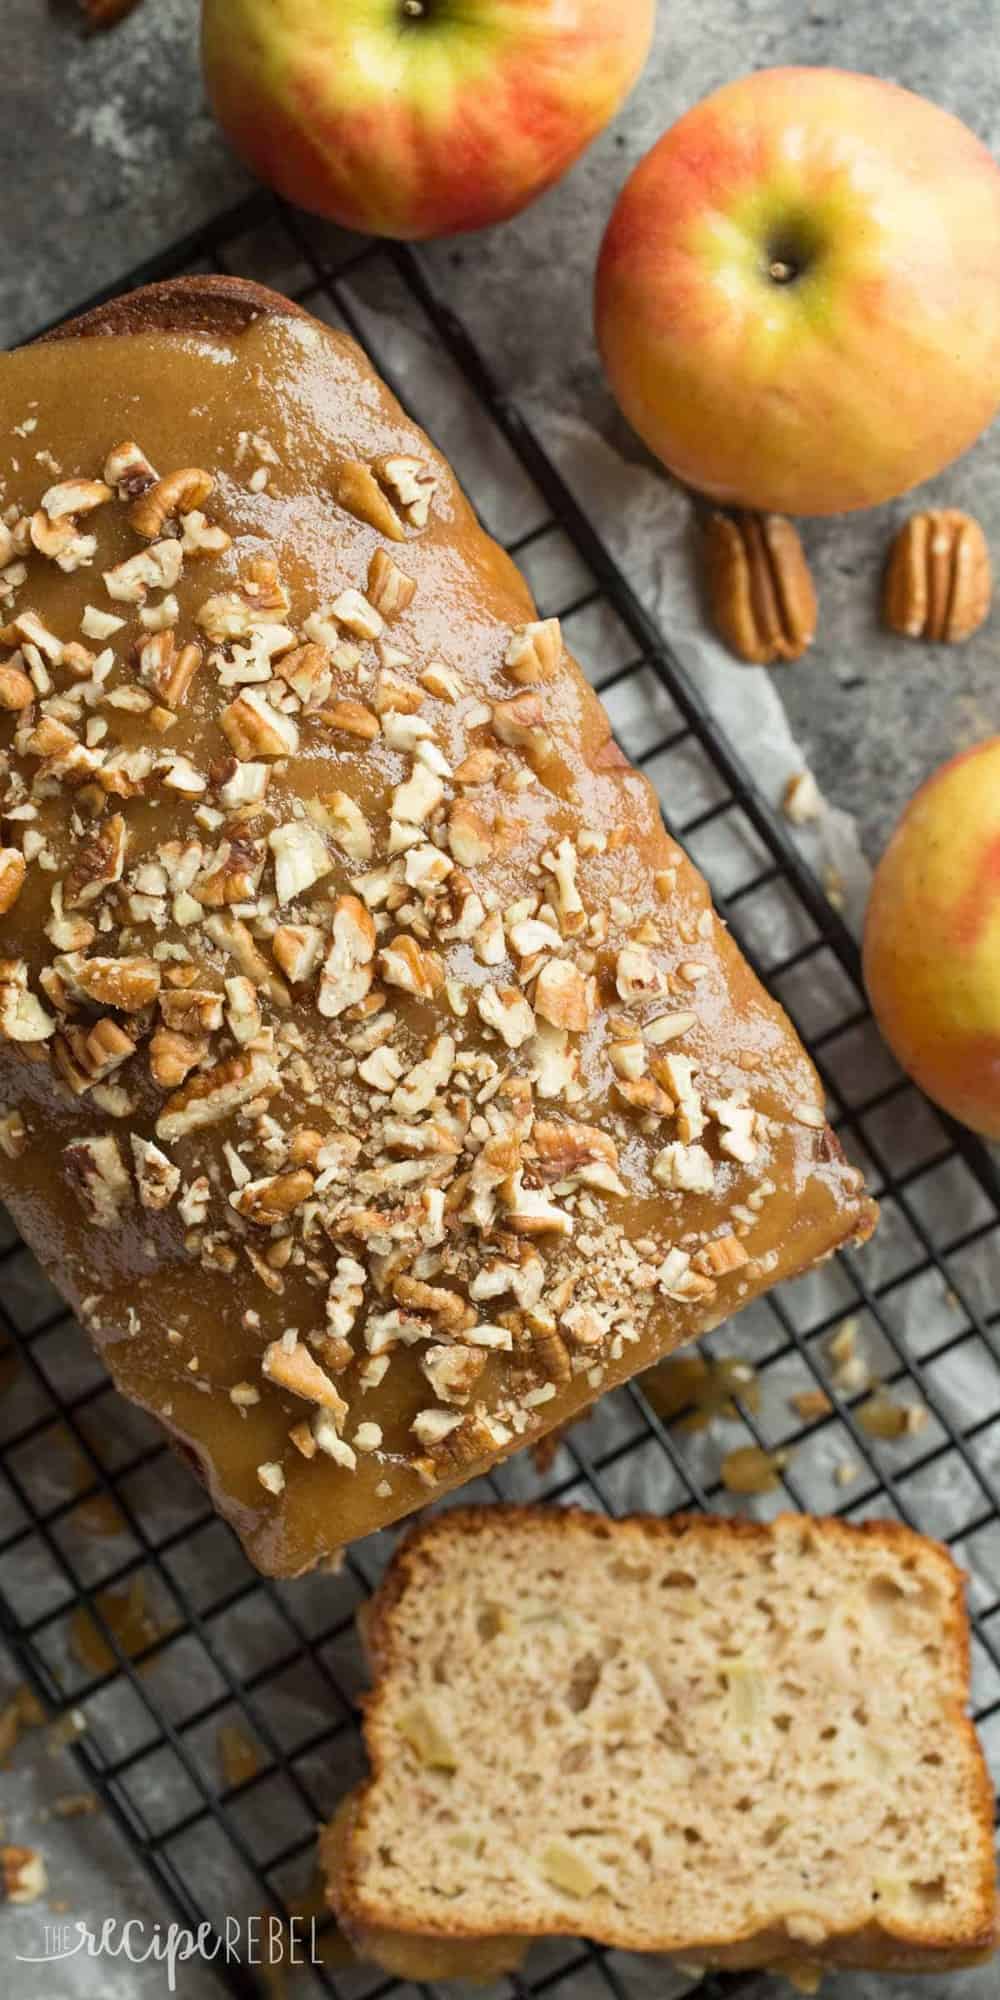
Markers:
<point>742,1744</point>
<point>375,1076</point>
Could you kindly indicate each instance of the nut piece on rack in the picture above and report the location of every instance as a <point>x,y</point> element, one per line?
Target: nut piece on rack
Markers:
<point>23,1876</point>
<point>938,580</point>
<point>760,590</point>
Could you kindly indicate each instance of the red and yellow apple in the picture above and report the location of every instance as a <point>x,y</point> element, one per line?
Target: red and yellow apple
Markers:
<point>798,295</point>
<point>418,118</point>
<point>932,938</point>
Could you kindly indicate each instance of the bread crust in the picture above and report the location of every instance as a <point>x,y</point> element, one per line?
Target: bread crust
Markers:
<point>216,306</point>
<point>823,1202</point>
<point>879,1947</point>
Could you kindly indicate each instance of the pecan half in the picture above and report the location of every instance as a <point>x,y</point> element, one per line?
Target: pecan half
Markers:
<point>938,581</point>
<point>760,590</point>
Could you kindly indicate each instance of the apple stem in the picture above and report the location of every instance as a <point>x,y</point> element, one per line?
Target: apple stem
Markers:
<point>781,272</point>
<point>414,8</point>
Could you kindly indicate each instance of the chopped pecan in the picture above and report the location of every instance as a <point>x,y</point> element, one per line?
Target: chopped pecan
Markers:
<point>128,470</point>
<point>62,542</point>
<point>447,1307</point>
<point>548,1349</point>
<point>105,1048</point>
<point>274,1197</point>
<point>202,538</point>
<point>254,729</point>
<point>243,1015</point>
<point>157,1179</point>
<point>98,1176</point>
<point>166,670</point>
<point>535,651</point>
<point>99,862</point>
<point>16,690</point>
<point>172,1057</point>
<point>529,1212</point>
<point>291,1367</point>
<point>453,1371</point>
<point>234,938</point>
<point>234,874</point>
<point>129,984</point>
<point>301,858</point>
<point>722,1254</point>
<point>506,1009</point>
<point>686,1168</point>
<point>347,972</point>
<point>352,718</point>
<point>194,1011</point>
<point>168,499</point>
<point>348,825</point>
<point>359,493</point>
<point>565,996</point>
<point>308,672</point>
<point>353,611</point>
<point>74,496</point>
<point>562,1149</point>
<point>156,568</point>
<point>644,1095</point>
<point>469,837</point>
<point>216,1093</point>
<point>518,722</point>
<point>414,485</point>
<point>388,587</point>
<point>394,695</point>
<point>298,949</point>
<point>402,962</point>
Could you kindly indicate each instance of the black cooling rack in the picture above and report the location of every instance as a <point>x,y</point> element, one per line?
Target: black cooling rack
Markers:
<point>282,1660</point>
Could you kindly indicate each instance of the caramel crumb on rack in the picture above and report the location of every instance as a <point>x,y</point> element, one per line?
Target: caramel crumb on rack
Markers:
<point>22,1711</point>
<point>882,1417</point>
<point>691,1390</point>
<point>239,1757</point>
<point>810,1405</point>
<point>751,1470</point>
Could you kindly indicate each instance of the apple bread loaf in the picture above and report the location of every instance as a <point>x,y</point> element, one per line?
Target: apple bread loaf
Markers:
<point>376,1079</point>
<point>674,1736</point>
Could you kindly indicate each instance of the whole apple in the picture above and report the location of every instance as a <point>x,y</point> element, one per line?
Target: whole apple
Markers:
<point>418,118</point>
<point>798,294</point>
<point>932,938</point>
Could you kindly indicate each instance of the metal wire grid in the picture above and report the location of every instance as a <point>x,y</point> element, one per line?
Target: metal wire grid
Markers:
<point>284,1657</point>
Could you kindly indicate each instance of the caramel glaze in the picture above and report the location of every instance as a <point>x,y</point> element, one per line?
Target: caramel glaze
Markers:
<point>186,371</point>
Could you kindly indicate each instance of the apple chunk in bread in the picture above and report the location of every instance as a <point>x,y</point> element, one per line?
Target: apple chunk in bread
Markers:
<point>379,1083</point>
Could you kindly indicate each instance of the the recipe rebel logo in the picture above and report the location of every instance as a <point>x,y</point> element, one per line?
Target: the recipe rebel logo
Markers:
<point>266,1940</point>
